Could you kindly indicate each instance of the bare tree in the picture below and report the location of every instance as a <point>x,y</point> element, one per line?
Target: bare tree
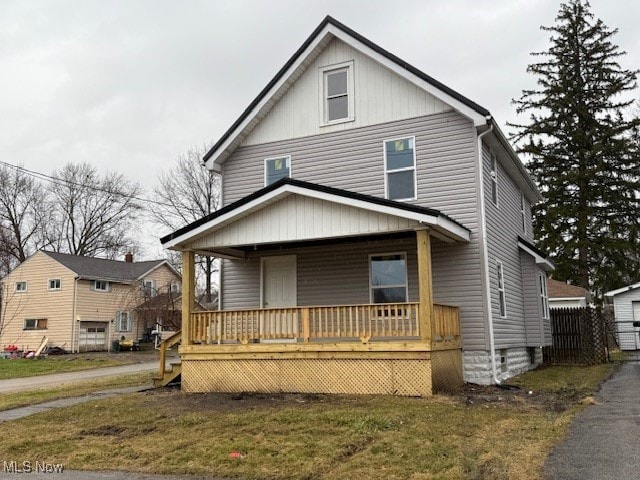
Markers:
<point>93,215</point>
<point>186,193</point>
<point>24,208</point>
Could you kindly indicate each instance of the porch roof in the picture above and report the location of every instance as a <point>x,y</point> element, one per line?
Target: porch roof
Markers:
<point>291,210</point>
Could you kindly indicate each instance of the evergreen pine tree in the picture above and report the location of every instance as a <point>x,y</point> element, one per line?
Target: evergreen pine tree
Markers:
<point>582,153</point>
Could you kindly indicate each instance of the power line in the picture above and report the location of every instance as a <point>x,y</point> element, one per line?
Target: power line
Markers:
<point>65,182</point>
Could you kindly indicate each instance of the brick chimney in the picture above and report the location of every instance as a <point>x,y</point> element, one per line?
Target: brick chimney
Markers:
<point>128,257</point>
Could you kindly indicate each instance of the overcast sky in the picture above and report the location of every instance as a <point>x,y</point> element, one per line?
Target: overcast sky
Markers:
<point>129,85</point>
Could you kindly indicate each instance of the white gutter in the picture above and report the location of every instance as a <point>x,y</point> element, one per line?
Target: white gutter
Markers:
<point>485,256</point>
<point>73,319</point>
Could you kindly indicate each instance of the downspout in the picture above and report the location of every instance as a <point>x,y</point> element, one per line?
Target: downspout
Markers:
<point>485,256</point>
<point>73,319</point>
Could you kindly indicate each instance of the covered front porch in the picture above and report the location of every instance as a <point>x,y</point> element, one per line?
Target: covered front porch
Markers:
<point>389,336</point>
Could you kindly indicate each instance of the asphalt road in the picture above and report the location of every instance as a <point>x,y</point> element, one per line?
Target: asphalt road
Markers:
<point>603,442</point>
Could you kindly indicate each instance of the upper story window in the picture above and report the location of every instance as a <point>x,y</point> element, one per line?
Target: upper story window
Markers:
<point>502,298</point>
<point>276,168</point>
<point>336,93</point>
<point>101,286</point>
<point>55,284</point>
<point>400,168</point>
<point>35,324</point>
<point>149,288</point>
<point>388,278</point>
<point>494,179</point>
<point>544,297</point>
<point>21,287</point>
<point>175,287</point>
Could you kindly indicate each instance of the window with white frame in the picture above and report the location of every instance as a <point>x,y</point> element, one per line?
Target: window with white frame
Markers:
<point>21,287</point>
<point>400,168</point>
<point>149,288</point>
<point>544,296</point>
<point>35,324</point>
<point>276,169</point>
<point>55,284</point>
<point>388,278</point>
<point>100,285</point>
<point>502,299</point>
<point>175,287</point>
<point>494,179</point>
<point>336,83</point>
<point>123,321</point>
<point>523,213</point>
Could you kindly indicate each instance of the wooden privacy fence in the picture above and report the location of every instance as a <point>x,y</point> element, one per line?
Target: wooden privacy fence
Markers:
<point>579,337</point>
<point>309,324</point>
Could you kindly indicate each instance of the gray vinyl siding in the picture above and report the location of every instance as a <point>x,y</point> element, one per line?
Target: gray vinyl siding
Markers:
<point>353,160</point>
<point>504,225</point>
<point>535,328</point>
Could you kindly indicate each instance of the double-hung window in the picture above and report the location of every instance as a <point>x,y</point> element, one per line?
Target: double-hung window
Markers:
<point>388,278</point>
<point>336,92</point>
<point>123,321</point>
<point>400,168</point>
<point>149,288</point>
<point>502,299</point>
<point>523,214</point>
<point>276,168</point>
<point>544,297</point>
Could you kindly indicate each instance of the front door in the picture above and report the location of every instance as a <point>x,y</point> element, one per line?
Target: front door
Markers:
<point>279,281</point>
<point>279,291</point>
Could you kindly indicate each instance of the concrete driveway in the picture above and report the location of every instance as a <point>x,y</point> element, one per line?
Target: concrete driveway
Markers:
<point>604,440</point>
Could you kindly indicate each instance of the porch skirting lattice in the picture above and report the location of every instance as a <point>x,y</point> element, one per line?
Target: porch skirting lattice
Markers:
<point>410,377</point>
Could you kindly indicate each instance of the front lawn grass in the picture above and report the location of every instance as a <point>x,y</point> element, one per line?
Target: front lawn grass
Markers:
<point>29,367</point>
<point>313,436</point>
<point>23,399</point>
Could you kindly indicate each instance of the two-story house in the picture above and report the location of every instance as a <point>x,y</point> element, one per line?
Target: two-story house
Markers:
<point>80,303</point>
<point>376,236</point>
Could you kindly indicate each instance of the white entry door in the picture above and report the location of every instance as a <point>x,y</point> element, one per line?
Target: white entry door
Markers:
<point>279,281</point>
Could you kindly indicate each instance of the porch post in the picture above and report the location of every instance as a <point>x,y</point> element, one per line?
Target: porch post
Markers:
<point>425,285</point>
<point>188,294</point>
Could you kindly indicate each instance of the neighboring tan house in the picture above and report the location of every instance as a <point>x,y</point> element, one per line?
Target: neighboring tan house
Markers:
<point>376,236</point>
<point>80,303</point>
<point>564,295</point>
<point>626,305</point>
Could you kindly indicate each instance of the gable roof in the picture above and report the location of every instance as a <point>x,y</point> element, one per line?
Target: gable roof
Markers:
<point>613,293</point>
<point>557,289</point>
<point>328,29</point>
<point>92,268</point>
<point>448,227</point>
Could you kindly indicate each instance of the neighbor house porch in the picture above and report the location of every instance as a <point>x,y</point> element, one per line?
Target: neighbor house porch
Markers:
<point>378,329</point>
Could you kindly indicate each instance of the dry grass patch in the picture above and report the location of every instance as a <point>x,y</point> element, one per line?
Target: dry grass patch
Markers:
<point>29,367</point>
<point>299,436</point>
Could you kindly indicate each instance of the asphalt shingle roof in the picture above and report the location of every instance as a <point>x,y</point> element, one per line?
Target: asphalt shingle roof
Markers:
<point>102,269</point>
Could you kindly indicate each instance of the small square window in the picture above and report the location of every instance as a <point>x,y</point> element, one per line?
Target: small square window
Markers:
<point>21,287</point>
<point>55,284</point>
<point>101,286</point>
<point>35,324</point>
<point>276,169</point>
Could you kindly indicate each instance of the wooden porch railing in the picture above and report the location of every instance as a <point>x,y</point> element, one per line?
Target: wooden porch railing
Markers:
<point>311,324</point>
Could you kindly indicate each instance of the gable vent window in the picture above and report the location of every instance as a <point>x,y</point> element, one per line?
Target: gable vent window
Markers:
<point>55,284</point>
<point>400,168</point>
<point>276,169</point>
<point>337,93</point>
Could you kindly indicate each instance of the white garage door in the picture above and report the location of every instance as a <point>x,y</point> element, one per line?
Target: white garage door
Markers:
<point>93,336</point>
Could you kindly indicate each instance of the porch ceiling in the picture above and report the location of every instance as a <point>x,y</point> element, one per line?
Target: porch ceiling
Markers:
<point>294,211</point>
